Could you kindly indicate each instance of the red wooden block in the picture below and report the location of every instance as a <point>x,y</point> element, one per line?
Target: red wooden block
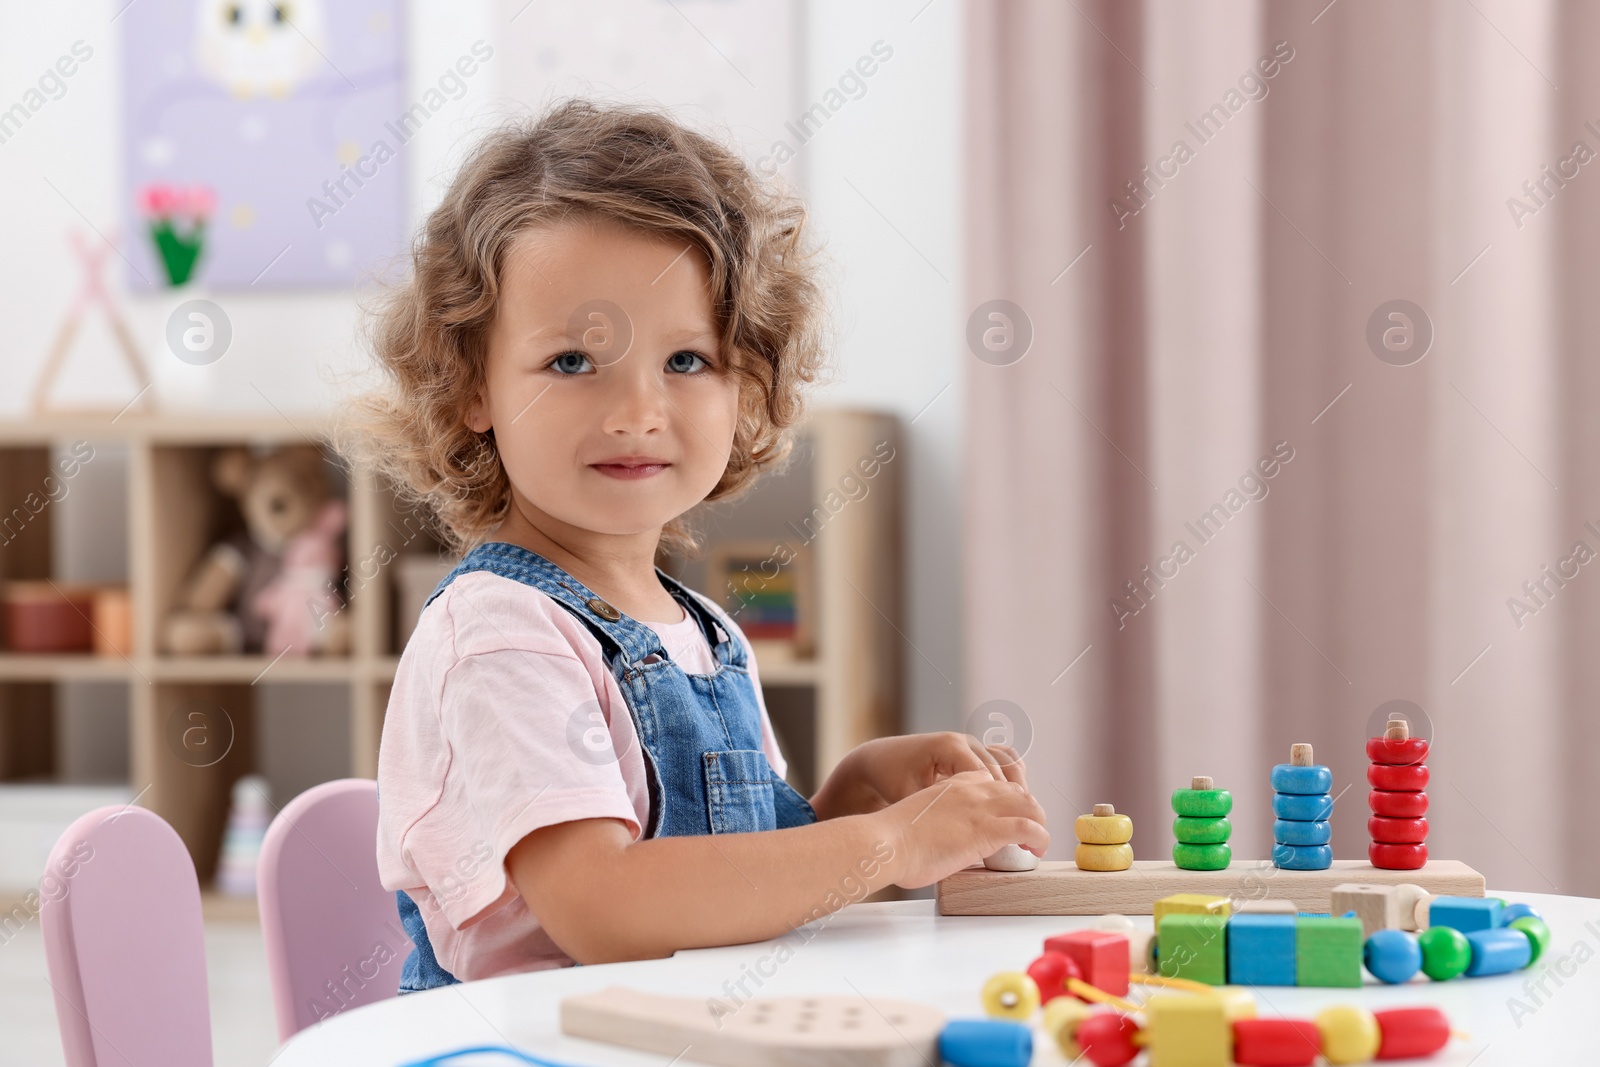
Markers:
<point>1411,1032</point>
<point>1394,805</point>
<point>1102,957</point>
<point>1276,1042</point>
<point>1397,857</point>
<point>1405,779</point>
<point>1397,831</point>
<point>1050,973</point>
<point>1398,753</point>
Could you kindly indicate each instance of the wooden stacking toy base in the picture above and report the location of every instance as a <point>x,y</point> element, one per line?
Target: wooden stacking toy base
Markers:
<point>1060,888</point>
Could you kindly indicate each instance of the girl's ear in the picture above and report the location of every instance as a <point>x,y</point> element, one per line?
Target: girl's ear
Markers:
<point>477,419</point>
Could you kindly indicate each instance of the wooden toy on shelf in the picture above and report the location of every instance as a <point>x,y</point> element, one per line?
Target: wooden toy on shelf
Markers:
<point>1103,840</point>
<point>1398,800</point>
<point>1302,805</point>
<point>1201,828</point>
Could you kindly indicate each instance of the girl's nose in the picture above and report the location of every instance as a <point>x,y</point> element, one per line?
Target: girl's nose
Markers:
<point>636,402</point>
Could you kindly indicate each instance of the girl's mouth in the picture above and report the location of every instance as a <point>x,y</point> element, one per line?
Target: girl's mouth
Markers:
<point>630,471</point>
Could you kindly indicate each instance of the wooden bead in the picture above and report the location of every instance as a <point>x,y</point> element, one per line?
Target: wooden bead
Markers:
<point>1261,949</point>
<point>1187,1029</point>
<point>985,1043</point>
<point>1411,1033</point>
<point>1202,803</point>
<point>1201,831</point>
<point>1276,1042</point>
<point>1293,832</point>
<point>1108,1038</point>
<point>1397,831</point>
<point>1327,951</point>
<point>1190,904</point>
<point>1306,781</point>
<point>1011,858</point>
<point>1536,931</point>
<point>1377,906</point>
<point>1512,912</point>
<point>1010,995</point>
<point>1407,897</point>
<point>1103,829</point>
<point>1397,857</point>
<point>1349,1034</point>
<point>1465,913</point>
<point>1400,779</point>
<point>1050,973</point>
<point>1395,805</point>
<point>1062,1018</point>
<point>1397,753</point>
<point>1202,857</point>
<point>1446,952</point>
<point>1392,956</point>
<point>1101,956</point>
<point>1498,951</point>
<point>1302,807</point>
<point>1302,857</point>
<point>1103,857</point>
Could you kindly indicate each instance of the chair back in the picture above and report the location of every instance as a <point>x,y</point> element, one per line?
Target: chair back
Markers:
<point>124,943</point>
<point>333,934</point>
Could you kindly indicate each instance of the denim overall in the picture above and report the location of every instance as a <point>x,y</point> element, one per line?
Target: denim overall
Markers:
<point>700,733</point>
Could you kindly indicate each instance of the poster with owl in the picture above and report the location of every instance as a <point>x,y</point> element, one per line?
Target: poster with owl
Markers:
<point>270,105</point>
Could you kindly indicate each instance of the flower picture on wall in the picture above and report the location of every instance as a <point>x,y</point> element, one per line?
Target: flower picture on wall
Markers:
<point>274,110</point>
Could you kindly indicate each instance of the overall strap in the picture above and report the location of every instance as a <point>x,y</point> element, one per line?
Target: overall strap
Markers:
<point>720,637</point>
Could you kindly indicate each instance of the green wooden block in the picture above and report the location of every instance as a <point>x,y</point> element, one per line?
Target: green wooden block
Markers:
<point>1202,803</point>
<point>1201,857</point>
<point>1327,951</point>
<point>1195,947</point>
<point>1191,831</point>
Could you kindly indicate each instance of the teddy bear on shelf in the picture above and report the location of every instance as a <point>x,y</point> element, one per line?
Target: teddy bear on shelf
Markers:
<point>271,588</point>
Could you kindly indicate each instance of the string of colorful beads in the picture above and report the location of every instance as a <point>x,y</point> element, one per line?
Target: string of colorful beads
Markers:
<point>1399,802</point>
<point>1302,804</point>
<point>1201,828</point>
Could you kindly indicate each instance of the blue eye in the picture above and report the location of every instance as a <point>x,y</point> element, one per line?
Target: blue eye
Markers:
<point>569,363</point>
<point>674,364</point>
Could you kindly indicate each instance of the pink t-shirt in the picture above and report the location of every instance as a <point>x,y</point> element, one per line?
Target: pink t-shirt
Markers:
<point>504,719</point>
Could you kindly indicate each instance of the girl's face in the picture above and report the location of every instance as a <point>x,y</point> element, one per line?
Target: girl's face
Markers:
<point>605,386</point>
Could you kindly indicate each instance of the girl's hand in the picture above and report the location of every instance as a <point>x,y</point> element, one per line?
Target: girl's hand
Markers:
<point>888,770</point>
<point>954,823</point>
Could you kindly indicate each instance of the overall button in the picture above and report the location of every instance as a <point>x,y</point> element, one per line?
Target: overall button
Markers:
<point>604,610</point>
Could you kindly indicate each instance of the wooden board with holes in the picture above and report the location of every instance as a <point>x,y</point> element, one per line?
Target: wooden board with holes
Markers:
<point>1060,888</point>
<point>823,1031</point>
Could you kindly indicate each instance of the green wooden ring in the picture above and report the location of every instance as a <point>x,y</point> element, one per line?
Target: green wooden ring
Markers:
<point>1201,857</point>
<point>1538,935</point>
<point>1191,831</point>
<point>1202,803</point>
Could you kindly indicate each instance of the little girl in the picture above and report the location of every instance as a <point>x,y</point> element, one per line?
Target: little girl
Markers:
<point>609,321</point>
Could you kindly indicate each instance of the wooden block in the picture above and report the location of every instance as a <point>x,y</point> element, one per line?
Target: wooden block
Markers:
<point>1377,906</point>
<point>763,1032</point>
<point>1327,951</point>
<point>1191,904</point>
<point>1059,888</point>
<point>1266,906</point>
<point>1261,949</point>
<point>1188,1031</point>
<point>1193,947</point>
<point>1101,956</point>
<point>1466,914</point>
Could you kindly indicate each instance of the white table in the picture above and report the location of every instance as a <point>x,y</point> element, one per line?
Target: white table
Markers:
<point>903,950</point>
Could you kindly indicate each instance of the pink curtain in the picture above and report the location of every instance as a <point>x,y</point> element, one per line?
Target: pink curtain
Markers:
<point>1226,500</point>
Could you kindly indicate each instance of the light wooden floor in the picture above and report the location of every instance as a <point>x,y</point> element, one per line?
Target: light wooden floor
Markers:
<point>243,1033</point>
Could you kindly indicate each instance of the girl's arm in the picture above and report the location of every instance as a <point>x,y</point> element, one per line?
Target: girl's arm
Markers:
<point>604,897</point>
<point>878,773</point>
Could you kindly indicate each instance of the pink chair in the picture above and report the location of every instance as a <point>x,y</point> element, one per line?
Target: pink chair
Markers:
<point>124,943</point>
<point>333,934</point>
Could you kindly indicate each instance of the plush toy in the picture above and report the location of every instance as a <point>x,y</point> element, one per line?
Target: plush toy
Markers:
<point>272,587</point>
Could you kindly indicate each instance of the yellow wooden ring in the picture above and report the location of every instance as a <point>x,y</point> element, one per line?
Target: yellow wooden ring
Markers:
<point>1061,1018</point>
<point>1104,829</point>
<point>1103,857</point>
<point>1010,995</point>
<point>1349,1034</point>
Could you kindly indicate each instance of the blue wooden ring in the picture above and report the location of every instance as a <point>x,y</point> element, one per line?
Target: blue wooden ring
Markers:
<point>1287,778</point>
<point>1302,857</point>
<point>1312,807</point>
<point>1291,832</point>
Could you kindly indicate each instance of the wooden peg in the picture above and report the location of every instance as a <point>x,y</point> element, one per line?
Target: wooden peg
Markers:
<point>1201,781</point>
<point>1397,730</point>
<point>1102,810</point>
<point>1300,756</point>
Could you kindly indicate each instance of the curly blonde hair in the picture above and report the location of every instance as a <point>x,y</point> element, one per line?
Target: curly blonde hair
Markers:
<point>629,164</point>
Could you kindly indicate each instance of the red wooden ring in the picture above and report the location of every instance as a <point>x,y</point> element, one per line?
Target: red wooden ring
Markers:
<point>1399,753</point>
<point>1410,779</point>
<point>1397,857</point>
<point>1393,805</point>
<point>1397,831</point>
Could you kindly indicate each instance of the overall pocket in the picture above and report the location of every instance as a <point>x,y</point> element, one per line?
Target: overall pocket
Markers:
<point>739,791</point>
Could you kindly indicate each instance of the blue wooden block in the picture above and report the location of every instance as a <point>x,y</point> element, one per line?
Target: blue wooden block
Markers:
<point>1315,807</point>
<point>989,1042</point>
<point>1302,857</point>
<point>1465,913</point>
<point>1261,949</point>
<point>1512,912</point>
<point>1287,778</point>
<point>1295,832</point>
<point>1498,952</point>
